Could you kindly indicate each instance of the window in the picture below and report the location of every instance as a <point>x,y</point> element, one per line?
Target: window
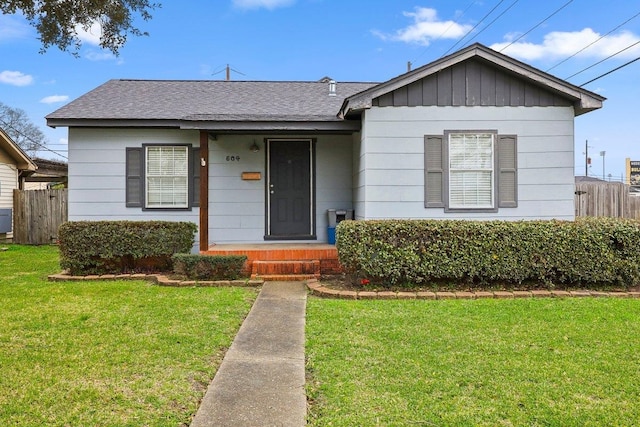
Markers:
<point>470,170</point>
<point>167,177</point>
<point>162,177</point>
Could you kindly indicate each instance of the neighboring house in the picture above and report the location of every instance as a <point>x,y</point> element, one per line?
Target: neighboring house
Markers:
<point>15,164</point>
<point>50,174</point>
<point>473,135</point>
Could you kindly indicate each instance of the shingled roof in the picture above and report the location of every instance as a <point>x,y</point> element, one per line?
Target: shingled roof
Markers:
<point>204,104</point>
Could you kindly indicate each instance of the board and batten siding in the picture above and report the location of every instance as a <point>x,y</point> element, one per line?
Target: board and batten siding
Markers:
<point>237,207</point>
<point>97,173</point>
<point>471,83</point>
<point>392,147</point>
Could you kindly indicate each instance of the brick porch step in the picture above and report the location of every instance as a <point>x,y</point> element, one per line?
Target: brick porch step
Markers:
<point>326,254</point>
<point>302,269</point>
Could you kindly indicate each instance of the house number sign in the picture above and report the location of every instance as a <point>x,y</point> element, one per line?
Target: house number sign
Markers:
<point>233,158</point>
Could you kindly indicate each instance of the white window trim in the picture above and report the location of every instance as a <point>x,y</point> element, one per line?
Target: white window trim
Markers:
<point>185,175</point>
<point>451,171</point>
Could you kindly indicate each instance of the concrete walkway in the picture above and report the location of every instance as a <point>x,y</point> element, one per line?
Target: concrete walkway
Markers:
<point>261,379</point>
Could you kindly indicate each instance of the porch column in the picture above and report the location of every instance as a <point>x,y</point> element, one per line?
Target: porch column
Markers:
<point>204,190</point>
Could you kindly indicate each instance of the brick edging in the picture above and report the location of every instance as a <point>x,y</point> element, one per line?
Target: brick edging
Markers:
<point>158,279</point>
<point>318,289</point>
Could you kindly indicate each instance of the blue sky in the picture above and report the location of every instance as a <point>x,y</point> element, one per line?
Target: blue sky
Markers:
<point>354,40</point>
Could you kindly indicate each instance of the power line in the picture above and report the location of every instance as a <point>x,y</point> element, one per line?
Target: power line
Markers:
<point>490,23</point>
<point>610,71</point>
<point>592,43</point>
<point>448,28</point>
<point>5,124</point>
<point>474,27</point>
<point>538,24</point>
<point>602,60</point>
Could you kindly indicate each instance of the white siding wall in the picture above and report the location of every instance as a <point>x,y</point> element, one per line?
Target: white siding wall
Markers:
<point>237,208</point>
<point>8,183</point>
<point>392,186</point>
<point>97,173</point>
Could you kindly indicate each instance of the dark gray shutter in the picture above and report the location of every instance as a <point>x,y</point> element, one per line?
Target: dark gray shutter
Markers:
<point>194,188</point>
<point>135,177</point>
<point>507,171</point>
<point>434,171</point>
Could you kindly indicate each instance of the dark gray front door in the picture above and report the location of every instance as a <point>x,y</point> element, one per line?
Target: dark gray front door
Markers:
<point>290,189</point>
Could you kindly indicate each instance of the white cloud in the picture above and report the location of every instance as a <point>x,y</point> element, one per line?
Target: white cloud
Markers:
<point>266,4</point>
<point>54,99</point>
<point>92,55</point>
<point>91,35</point>
<point>426,27</point>
<point>559,44</point>
<point>15,78</point>
<point>11,28</point>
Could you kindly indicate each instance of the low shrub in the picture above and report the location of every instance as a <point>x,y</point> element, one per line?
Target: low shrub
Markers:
<point>208,267</point>
<point>112,247</point>
<point>590,251</point>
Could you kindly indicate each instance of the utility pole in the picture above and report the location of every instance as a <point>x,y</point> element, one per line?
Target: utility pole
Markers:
<point>227,70</point>
<point>586,157</point>
<point>602,153</point>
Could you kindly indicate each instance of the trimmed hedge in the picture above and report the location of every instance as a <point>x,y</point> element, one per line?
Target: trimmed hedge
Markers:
<point>589,251</point>
<point>208,267</point>
<point>112,247</point>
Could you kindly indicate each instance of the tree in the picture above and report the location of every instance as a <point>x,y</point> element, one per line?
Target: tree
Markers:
<point>22,131</point>
<point>56,21</point>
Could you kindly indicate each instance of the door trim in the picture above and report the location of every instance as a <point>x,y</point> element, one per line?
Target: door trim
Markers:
<point>312,190</point>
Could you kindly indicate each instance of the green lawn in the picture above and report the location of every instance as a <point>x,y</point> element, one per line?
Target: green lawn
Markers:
<point>523,362</point>
<point>108,353</point>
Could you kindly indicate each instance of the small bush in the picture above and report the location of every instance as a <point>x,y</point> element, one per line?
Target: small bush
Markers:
<point>593,251</point>
<point>208,267</point>
<point>112,247</point>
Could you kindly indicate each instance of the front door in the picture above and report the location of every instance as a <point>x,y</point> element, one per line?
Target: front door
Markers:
<point>290,189</point>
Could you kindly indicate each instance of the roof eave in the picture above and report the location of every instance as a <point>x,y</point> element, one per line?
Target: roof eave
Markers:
<point>281,125</point>
<point>22,159</point>
<point>304,126</point>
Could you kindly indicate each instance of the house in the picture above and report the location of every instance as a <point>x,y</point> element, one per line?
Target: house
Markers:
<point>50,174</point>
<point>15,164</point>
<point>473,135</point>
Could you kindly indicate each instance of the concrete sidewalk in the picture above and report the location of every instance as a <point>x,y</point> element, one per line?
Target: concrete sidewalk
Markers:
<point>261,379</point>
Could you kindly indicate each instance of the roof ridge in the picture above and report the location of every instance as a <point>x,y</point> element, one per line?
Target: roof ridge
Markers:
<point>235,81</point>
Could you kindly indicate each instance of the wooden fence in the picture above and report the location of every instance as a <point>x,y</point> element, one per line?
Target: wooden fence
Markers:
<point>609,199</point>
<point>37,214</point>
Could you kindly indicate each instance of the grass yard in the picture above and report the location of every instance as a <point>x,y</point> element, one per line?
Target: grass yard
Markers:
<point>522,362</point>
<point>108,353</point>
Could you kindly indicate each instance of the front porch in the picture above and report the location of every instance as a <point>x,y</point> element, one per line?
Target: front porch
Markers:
<point>283,261</point>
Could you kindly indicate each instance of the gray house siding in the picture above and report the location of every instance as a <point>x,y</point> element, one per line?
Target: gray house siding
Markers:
<point>237,208</point>
<point>97,173</point>
<point>393,149</point>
